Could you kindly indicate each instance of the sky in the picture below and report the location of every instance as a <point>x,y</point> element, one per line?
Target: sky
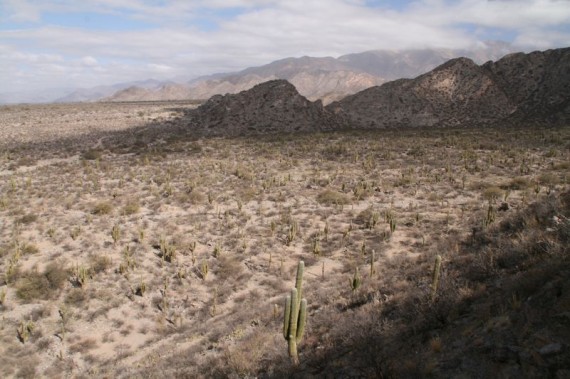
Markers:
<point>70,43</point>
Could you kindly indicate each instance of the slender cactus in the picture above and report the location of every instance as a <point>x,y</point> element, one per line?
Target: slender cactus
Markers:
<point>372,270</point>
<point>204,269</point>
<point>435,276</point>
<point>295,315</point>
<point>116,234</point>
<point>356,280</point>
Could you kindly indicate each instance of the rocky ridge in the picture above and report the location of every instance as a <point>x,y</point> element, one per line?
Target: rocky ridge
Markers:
<point>271,107</point>
<point>518,88</point>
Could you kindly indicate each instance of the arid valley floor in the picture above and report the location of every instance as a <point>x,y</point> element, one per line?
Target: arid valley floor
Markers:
<point>128,248</point>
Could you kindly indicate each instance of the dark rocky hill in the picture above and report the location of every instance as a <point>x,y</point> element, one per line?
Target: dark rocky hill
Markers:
<point>271,107</point>
<point>518,88</point>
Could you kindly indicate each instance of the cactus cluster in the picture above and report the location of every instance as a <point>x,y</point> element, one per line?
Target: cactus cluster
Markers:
<point>292,232</point>
<point>25,329</point>
<point>295,315</point>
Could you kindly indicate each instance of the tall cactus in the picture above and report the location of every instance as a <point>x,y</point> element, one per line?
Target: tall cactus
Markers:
<point>435,276</point>
<point>295,315</point>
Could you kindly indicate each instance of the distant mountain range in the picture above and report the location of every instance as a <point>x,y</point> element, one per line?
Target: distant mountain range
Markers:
<point>327,78</point>
<point>101,92</point>
<point>517,89</point>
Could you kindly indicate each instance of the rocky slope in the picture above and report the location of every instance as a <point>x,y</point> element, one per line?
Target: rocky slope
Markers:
<point>327,86</point>
<point>170,91</point>
<point>397,64</point>
<point>270,107</point>
<point>519,87</point>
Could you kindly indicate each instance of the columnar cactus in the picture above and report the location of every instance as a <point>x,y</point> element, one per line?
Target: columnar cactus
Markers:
<point>295,315</point>
<point>356,280</point>
<point>435,276</point>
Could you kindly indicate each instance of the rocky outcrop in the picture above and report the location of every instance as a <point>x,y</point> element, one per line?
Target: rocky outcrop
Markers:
<point>271,107</point>
<point>538,84</point>
<point>517,88</point>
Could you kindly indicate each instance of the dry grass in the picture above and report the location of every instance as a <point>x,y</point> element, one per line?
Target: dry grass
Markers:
<point>247,210</point>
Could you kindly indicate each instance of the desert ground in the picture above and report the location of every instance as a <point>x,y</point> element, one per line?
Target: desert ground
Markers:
<point>129,248</point>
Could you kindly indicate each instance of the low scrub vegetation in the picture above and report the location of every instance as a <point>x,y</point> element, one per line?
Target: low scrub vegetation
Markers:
<point>137,250</point>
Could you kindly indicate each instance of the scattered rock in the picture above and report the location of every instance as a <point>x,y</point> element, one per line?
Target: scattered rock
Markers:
<point>551,349</point>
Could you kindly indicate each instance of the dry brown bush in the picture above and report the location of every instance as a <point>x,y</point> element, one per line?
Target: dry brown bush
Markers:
<point>331,197</point>
<point>33,285</point>
<point>102,208</point>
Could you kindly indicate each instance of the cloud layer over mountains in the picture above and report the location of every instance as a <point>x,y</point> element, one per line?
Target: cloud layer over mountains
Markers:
<point>93,42</point>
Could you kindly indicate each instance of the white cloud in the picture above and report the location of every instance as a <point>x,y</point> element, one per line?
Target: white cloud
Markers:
<point>497,14</point>
<point>160,68</point>
<point>89,61</point>
<point>262,31</point>
<point>21,11</point>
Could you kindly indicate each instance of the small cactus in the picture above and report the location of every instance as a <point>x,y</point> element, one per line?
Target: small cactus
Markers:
<point>83,276</point>
<point>295,315</point>
<point>141,288</point>
<point>317,246</point>
<point>292,233</point>
<point>116,233</point>
<point>217,250</point>
<point>392,225</point>
<point>25,329</point>
<point>204,269</point>
<point>356,280</point>
<point>491,214</point>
